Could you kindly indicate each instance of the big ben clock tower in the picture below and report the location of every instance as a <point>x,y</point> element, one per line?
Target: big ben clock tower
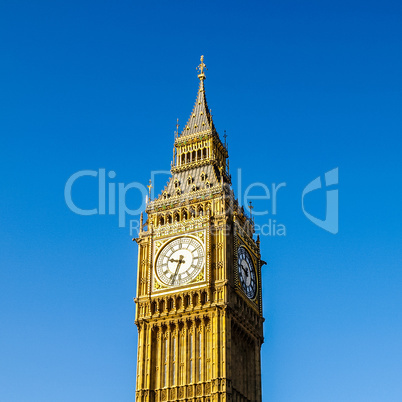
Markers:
<point>198,304</point>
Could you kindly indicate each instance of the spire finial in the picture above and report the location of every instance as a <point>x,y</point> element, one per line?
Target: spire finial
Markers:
<point>149,188</point>
<point>177,129</point>
<point>225,136</point>
<point>201,68</point>
<point>250,207</point>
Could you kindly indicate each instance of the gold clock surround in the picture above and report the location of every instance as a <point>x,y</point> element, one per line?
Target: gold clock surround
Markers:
<point>192,243</point>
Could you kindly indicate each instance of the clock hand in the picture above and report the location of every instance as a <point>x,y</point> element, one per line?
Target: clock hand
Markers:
<point>179,262</point>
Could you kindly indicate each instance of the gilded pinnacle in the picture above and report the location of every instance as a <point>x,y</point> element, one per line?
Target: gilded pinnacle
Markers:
<point>201,67</point>
<point>200,120</point>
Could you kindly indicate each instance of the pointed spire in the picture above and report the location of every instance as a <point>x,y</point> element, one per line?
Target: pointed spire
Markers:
<point>200,120</point>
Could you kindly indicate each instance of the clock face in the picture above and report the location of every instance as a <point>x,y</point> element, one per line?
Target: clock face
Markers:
<point>180,261</point>
<point>247,274</point>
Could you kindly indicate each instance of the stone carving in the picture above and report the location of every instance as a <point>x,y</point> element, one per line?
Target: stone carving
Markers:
<point>158,285</point>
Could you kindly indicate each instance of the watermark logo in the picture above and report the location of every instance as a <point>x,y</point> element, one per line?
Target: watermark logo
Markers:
<point>330,223</point>
<point>122,209</point>
<point>112,197</point>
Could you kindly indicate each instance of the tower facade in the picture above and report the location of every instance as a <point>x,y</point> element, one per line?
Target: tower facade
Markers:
<point>198,304</point>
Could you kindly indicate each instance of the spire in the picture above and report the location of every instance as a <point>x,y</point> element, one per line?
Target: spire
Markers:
<point>200,120</point>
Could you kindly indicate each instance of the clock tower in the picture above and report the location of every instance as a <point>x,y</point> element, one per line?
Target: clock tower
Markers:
<point>199,300</point>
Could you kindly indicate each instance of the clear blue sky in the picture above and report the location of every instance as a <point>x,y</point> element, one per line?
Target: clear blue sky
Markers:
<point>301,88</point>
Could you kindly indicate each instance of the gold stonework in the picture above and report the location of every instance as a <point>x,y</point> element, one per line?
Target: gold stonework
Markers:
<point>200,277</point>
<point>158,285</point>
<point>200,331</point>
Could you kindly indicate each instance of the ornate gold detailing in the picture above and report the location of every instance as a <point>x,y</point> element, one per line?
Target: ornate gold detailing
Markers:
<point>199,390</point>
<point>191,138</point>
<point>199,278</point>
<point>149,188</point>
<point>159,244</point>
<point>158,285</point>
<point>200,68</point>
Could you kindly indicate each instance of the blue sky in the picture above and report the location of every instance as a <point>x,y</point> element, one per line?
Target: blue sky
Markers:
<point>300,89</point>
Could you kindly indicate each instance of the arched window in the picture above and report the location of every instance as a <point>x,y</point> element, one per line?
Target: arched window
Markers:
<point>153,307</point>
<point>170,304</point>
<point>203,176</point>
<point>189,180</point>
<point>186,301</point>
<point>178,303</point>
<point>203,297</point>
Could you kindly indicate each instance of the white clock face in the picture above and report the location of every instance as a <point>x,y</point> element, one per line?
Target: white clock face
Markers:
<point>180,261</point>
<point>246,272</point>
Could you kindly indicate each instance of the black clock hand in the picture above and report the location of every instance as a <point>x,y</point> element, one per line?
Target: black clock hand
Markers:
<point>179,262</point>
